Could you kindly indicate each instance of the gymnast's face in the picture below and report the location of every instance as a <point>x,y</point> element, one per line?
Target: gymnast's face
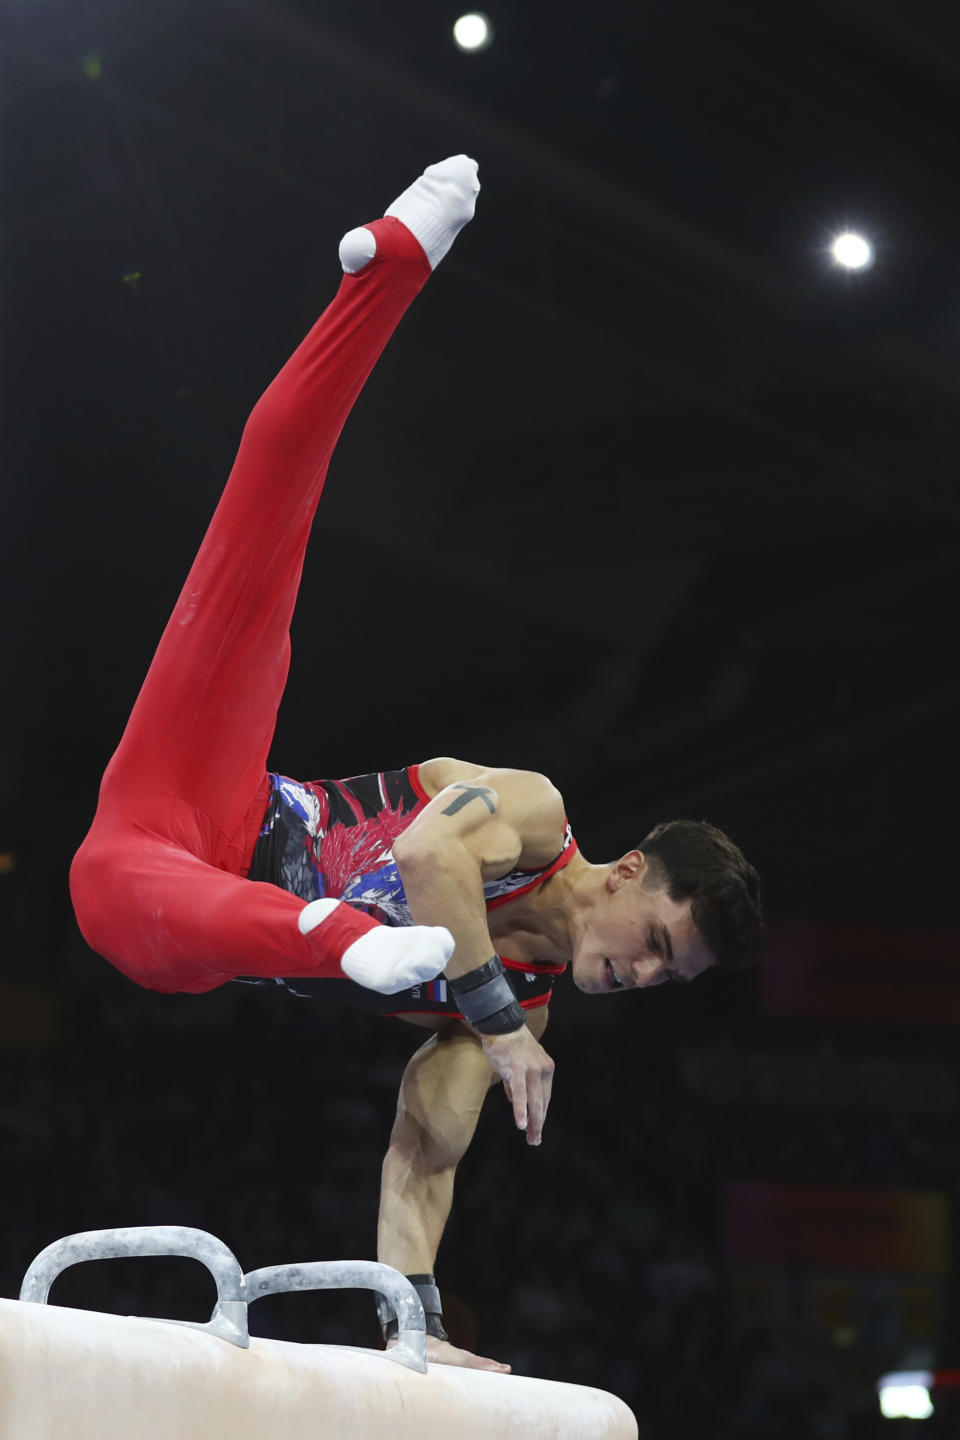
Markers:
<point>635,936</point>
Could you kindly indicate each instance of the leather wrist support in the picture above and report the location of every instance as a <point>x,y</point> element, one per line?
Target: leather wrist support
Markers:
<point>426,1288</point>
<point>486,1000</point>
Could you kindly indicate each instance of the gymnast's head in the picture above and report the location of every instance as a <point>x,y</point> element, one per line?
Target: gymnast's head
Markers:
<point>685,901</point>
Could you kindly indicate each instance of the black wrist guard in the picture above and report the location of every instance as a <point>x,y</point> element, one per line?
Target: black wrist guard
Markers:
<point>426,1288</point>
<point>486,1000</point>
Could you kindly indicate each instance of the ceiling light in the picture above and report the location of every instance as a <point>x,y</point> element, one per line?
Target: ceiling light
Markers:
<point>852,251</point>
<point>473,32</point>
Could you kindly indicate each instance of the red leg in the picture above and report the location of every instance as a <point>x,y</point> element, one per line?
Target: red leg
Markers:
<point>155,884</point>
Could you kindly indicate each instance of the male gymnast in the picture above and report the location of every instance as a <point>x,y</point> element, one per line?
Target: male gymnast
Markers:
<point>202,866</point>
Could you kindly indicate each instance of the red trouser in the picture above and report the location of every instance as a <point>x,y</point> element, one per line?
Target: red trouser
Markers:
<point>157,884</point>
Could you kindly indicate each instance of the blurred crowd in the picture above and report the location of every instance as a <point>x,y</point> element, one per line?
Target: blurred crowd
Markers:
<point>596,1259</point>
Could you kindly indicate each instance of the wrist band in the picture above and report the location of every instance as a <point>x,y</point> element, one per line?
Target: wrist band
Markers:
<point>486,1000</point>
<point>426,1288</point>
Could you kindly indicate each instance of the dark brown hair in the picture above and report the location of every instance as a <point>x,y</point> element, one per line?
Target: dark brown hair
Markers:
<point>693,860</point>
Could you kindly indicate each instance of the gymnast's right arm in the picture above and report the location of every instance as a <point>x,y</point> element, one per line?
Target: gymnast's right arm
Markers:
<point>441,1096</point>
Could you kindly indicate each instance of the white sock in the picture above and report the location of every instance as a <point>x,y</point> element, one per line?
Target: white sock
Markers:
<point>386,959</point>
<point>434,209</point>
<point>357,248</point>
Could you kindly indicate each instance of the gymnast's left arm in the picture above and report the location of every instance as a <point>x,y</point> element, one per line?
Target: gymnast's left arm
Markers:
<point>467,834</point>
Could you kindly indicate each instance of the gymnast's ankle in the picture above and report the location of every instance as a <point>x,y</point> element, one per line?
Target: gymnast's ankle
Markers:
<point>383,958</point>
<point>434,209</point>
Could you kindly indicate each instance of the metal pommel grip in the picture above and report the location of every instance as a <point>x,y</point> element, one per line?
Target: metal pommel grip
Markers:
<point>426,1288</point>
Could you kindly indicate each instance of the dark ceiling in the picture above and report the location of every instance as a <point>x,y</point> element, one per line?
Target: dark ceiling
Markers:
<point>645,494</point>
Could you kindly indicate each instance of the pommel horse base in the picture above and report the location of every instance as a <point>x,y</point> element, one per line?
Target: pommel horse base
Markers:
<point>80,1375</point>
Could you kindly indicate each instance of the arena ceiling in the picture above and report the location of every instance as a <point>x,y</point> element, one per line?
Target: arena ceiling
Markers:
<point>646,493</point>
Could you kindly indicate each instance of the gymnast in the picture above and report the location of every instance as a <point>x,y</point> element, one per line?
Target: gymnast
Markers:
<point>446,893</point>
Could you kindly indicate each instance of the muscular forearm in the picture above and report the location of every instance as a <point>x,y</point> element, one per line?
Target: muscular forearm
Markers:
<point>414,1207</point>
<point>441,1096</point>
<point>415,1203</point>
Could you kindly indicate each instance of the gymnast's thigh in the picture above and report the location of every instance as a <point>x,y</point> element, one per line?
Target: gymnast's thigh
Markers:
<point>148,900</point>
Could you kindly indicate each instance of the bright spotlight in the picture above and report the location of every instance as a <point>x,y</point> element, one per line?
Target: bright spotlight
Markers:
<point>851,251</point>
<point>906,1395</point>
<point>473,32</point>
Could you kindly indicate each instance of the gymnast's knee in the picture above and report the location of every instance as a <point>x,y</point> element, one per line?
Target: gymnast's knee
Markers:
<point>121,910</point>
<point>94,887</point>
<point>100,890</point>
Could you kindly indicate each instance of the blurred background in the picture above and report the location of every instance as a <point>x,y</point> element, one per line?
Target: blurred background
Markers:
<point>649,493</point>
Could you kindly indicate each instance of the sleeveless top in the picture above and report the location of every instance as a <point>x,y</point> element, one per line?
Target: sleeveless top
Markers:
<point>334,838</point>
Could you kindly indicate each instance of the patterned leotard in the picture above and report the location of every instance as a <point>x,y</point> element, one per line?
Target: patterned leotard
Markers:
<point>334,838</point>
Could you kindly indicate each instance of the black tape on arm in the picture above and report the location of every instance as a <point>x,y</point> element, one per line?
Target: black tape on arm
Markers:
<point>426,1288</point>
<point>486,1000</point>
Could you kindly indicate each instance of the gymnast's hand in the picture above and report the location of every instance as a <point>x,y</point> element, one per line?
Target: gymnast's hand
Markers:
<point>441,1352</point>
<point>527,1074</point>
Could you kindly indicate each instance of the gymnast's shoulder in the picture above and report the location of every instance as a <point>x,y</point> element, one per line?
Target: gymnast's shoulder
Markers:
<point>528,800</point>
